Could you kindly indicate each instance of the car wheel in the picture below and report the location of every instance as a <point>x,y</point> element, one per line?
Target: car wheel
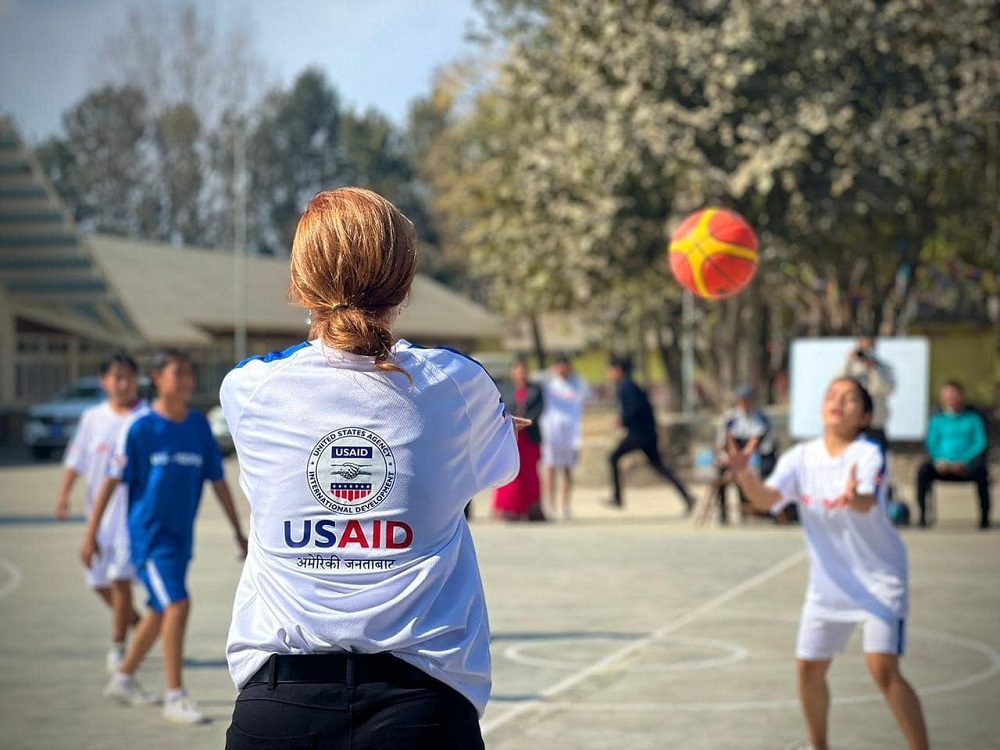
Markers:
<point>40,453</point>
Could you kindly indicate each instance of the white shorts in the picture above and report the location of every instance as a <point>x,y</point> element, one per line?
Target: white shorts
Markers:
<point>821,639</point>
<point>559,456</point>
<point>112,563</point>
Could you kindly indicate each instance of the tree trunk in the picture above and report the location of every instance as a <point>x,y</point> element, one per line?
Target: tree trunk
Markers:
<point>537,344</point>
<point>670,356</point>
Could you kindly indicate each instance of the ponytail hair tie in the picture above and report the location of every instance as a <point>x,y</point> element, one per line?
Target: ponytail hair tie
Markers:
<point>341,306</point>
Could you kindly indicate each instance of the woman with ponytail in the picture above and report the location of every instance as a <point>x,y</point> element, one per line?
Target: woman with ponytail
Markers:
<point>360,619</point>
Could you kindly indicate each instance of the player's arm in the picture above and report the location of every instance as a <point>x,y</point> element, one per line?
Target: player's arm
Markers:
<point>860,503</point>
<point>859,495</point>
<point>761,496</point>
<point>225,497</point>
<point>89,547</point>
<point>74,464</point>
<point>864,478</point>
<point>69,478</point>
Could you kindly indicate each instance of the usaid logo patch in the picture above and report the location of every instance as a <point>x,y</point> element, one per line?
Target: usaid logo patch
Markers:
<point>351,470</point>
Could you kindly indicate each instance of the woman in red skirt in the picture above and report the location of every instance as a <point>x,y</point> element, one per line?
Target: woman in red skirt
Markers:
<point>520,500</point>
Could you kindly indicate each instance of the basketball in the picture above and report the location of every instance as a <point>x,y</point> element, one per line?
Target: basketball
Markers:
<point>713,253</point>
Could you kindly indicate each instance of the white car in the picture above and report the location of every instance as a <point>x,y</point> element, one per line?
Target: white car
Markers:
<point>50,426</point>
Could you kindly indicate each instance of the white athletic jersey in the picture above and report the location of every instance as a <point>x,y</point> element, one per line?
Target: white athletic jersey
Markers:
<point>562,418</point>
<point>357,481</point>
<point>90,453</point>
<point>857,560</point>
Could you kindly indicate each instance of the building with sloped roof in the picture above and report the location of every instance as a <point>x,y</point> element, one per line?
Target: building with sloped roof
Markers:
<point>68,299</point>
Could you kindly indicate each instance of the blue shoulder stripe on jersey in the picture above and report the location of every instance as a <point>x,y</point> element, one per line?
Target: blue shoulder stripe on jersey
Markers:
<point>273,356</point>
<point>868,439</point>
<point>463,355</point>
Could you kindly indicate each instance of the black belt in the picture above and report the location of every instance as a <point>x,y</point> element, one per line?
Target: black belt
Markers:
<point>338,669</point>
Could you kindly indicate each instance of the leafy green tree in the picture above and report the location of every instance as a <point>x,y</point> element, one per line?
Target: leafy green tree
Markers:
<point>837,130</point>
<point>178,140</point>
<point>101,168</point>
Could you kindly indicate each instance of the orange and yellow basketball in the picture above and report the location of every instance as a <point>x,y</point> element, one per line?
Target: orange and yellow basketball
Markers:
<point>713,253</point>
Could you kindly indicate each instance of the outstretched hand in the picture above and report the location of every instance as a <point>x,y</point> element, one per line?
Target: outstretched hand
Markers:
<point>850,494</point>
<point>520,423</point>
<point>739,459</point>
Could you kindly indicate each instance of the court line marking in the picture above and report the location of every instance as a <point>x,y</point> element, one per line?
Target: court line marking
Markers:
<point>992,668</point>
<point>16,577</point>
<point>623,653</point>
<point>734,653</point>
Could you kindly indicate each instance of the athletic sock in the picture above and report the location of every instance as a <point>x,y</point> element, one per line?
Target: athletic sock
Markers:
<point>174,694</point>
<point>122,679</point>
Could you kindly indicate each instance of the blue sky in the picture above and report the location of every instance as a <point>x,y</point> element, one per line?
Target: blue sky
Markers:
<point>379,53</point>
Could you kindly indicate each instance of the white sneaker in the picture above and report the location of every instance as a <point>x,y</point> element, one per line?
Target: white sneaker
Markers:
<point>113,660</point>
<point>130,693</point>
<point>183,710</point>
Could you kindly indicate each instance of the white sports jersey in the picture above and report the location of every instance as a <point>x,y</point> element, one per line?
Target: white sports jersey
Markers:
<point>857,560</point>
<point>562,419</point>
<point>357,481</point>
<point>90,453</point>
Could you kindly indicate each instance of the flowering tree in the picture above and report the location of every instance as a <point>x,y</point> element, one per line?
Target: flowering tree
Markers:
<point>841,132</point>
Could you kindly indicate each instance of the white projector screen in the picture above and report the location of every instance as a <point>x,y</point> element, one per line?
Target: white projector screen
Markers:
<point>815,362</point>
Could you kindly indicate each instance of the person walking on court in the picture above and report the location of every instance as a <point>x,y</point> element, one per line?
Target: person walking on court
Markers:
<point>360,618</point>
<point>858,565</point>
<point>89,455</point>
<point>956,449</point>
<point>164,456</point>
<point>636,416</point>
<point>562,433</point>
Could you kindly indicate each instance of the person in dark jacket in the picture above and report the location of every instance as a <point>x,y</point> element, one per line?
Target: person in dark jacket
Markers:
<point>636,416</point>
<point>521,499</point>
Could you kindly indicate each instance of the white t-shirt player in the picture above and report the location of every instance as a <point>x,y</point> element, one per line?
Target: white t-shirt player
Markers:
<point>357,538</point>
<point>858,562</point>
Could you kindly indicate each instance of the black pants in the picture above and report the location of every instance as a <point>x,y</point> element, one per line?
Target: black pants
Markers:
<point>350,702</point>
<point>648,446</point>
<point>975,471</point>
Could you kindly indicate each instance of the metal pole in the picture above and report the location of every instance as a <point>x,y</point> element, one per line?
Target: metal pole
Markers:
<point>240,248</point>
<point>687,353</point>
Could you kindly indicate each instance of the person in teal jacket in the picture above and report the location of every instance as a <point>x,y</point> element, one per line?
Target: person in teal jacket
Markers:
<point>956,446</point>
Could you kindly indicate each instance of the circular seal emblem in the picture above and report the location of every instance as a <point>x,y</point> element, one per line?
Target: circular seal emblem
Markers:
<point>351,470</point>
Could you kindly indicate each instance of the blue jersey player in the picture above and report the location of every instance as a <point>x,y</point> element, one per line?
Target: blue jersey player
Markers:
<point>164,457</point>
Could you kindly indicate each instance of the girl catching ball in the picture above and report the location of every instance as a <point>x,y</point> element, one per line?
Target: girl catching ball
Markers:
<point>858,568</point>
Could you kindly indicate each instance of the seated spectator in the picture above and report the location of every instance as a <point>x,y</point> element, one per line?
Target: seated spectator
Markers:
<point>956,446</point>
<point>744,423</point>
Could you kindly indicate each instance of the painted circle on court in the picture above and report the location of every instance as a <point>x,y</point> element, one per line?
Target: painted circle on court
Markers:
<point>515,653</point>
<point>731,654</point>
<point>351,470</point>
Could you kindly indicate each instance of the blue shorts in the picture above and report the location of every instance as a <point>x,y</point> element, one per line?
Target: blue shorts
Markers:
<point>165,577</point>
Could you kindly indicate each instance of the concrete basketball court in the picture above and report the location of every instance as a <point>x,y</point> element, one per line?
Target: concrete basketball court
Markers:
<point>630,629</point>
